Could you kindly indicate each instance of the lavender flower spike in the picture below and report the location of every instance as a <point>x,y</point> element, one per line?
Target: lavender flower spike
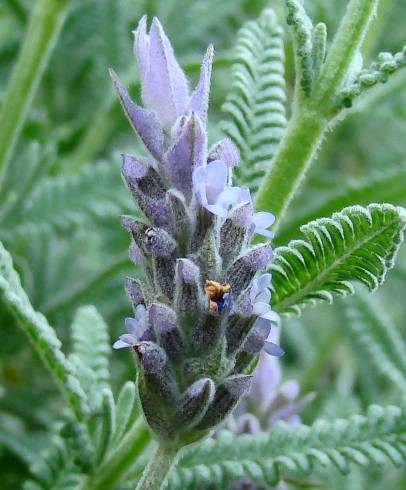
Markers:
<point>203,314</point>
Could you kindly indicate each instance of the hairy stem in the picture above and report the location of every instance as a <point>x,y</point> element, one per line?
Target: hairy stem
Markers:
<point>312,115</point>
<point>156,473</point>
<point>43,30</point>
<point>346,44</point>
<point>127,452</point>
<point>295,154</point>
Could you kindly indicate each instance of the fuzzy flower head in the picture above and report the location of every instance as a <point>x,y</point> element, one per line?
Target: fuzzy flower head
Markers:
<point>201,310</point>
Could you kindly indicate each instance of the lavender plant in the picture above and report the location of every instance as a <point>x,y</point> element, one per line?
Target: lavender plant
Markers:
<point>233,233</point>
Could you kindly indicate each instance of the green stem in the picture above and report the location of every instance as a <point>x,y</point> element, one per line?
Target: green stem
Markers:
<point>346,44</point>
<point>312,115</point>
<point>43,30</point>
<point>156,473</point>
<point>295,154</point>
<point>127,452</point>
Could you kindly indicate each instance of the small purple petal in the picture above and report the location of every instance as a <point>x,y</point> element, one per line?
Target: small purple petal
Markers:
<point>216,180</point>
<point>264,281</point>
<point>217,210</point>
<point>119,344</point>
<point>271,315</point>
<point>199,100</point>
<point>273,349</point>
<point>263,219</point>
<point>144,122</point>
<point>260,308</point>
<point>131,325</point>
<point>141,48</point>
<point>226,151</point>
<point>128,338</point>
<point>231,196</point>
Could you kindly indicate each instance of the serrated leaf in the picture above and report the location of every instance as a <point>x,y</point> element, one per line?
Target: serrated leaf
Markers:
<point>339,444</point>
<point>255,104</point>
<point>356,244</point>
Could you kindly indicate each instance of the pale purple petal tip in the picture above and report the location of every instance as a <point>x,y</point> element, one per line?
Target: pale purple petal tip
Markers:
<point>199,100</point>
<point>119,344</point>
<point>165,89</point>
<point>226,151</point>
<point>144,122</point>
<point>273,349</point>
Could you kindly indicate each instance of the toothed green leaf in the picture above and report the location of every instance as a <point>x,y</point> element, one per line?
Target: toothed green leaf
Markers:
<point>356,244</point>
<point>255,104</point>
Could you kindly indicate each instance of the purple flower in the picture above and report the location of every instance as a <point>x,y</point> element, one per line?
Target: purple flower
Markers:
<point>226,151</point>
<point>211,189</point>
<point>136,328</point>
<point>260,296</point>
<point>263,220</point>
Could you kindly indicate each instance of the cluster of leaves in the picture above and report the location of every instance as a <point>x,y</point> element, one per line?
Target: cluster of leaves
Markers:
<point>59,210</point>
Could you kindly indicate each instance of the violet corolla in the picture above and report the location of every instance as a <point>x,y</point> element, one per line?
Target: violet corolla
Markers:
<point>200,318</point>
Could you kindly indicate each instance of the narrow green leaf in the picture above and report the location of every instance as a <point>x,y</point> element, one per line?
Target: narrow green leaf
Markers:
<point>124,409</point>
<point>107,425</point>
<point>356,244</point>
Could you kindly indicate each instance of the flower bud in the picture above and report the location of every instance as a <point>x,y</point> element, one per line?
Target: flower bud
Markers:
<point>181,225</point>
<point>157,387</point>
<point>163,319</point>
<point>193,404</point>
<point>243,269</point>
<point>228,394</point>
<point>188,294</point>
<point>147,189</point>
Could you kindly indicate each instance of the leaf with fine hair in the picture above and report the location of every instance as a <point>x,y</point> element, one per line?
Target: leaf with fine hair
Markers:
<point>256,103</point>
<point>356,244</point>
<point>373,439</point>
